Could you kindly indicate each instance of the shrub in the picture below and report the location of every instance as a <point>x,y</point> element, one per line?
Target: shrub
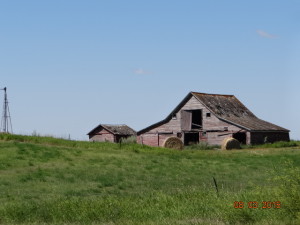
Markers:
<point>202,146</point>
<point>129,140</point>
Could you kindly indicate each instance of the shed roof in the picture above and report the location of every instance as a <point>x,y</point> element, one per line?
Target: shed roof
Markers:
<point>227,108</point>
<point>120,129</point>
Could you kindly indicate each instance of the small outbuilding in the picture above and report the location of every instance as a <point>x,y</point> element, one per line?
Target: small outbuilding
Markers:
<point>110,133</point>
<point>211,118</point>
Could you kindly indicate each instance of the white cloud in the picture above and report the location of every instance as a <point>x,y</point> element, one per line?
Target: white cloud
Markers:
<point>265,34</point>
<point>141,71</point>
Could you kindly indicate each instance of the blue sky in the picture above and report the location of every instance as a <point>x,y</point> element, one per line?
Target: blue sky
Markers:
<point>70,65</point>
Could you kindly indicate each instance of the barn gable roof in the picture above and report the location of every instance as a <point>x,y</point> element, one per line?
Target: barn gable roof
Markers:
<point>227,108</point>
<point>117,129</point>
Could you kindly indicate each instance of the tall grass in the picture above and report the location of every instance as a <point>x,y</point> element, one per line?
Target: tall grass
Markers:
<point>287,178</point>
<point>44,180</point>
<point>279,144</point>
<point>189,206</point>
<point>48,140</point>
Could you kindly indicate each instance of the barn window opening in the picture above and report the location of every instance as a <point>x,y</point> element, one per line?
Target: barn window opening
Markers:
<point>174,117</point>
<point>207,115</point>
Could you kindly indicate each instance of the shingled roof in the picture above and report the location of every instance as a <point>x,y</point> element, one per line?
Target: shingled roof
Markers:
<point>119,129</point>
<point>227,108</point>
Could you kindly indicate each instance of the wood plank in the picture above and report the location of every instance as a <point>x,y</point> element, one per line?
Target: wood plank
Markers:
<point>186,120</point>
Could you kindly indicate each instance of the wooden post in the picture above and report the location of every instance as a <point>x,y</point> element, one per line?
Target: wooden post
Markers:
<point>216,186</point>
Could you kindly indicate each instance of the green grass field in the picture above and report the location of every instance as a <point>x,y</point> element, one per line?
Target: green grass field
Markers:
<point>44,180</point>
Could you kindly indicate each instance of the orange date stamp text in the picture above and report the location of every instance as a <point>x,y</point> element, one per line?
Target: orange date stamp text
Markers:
<point>256,205</point>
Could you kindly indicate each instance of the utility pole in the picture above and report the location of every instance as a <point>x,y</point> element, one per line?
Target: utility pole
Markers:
<point>6,119</point>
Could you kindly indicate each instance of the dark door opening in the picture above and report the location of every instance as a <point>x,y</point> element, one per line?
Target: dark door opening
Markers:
<point>240,136</point>
<point>191,120</point>
<point>191,138</point>
<point>196,119</point>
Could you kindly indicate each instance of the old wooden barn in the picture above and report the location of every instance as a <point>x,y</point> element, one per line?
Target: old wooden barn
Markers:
<point>211,118</point>
<point>110,133</point>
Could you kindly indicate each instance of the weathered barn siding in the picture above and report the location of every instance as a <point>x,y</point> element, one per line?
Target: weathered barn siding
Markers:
<point>153,139</point>
<point>148,139</point>
<point>111,133</point>
<point>216,138</point>
<point>102,135</point>
<point>211,118</point>
<point>215,128</point>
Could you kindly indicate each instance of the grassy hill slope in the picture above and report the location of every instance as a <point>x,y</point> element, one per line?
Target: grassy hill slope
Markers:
<point>53,181</point>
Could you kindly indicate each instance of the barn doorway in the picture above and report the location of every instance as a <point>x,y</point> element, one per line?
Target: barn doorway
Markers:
<point>191,120</point>
<point>191,138</point>
<point>240,136</point>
